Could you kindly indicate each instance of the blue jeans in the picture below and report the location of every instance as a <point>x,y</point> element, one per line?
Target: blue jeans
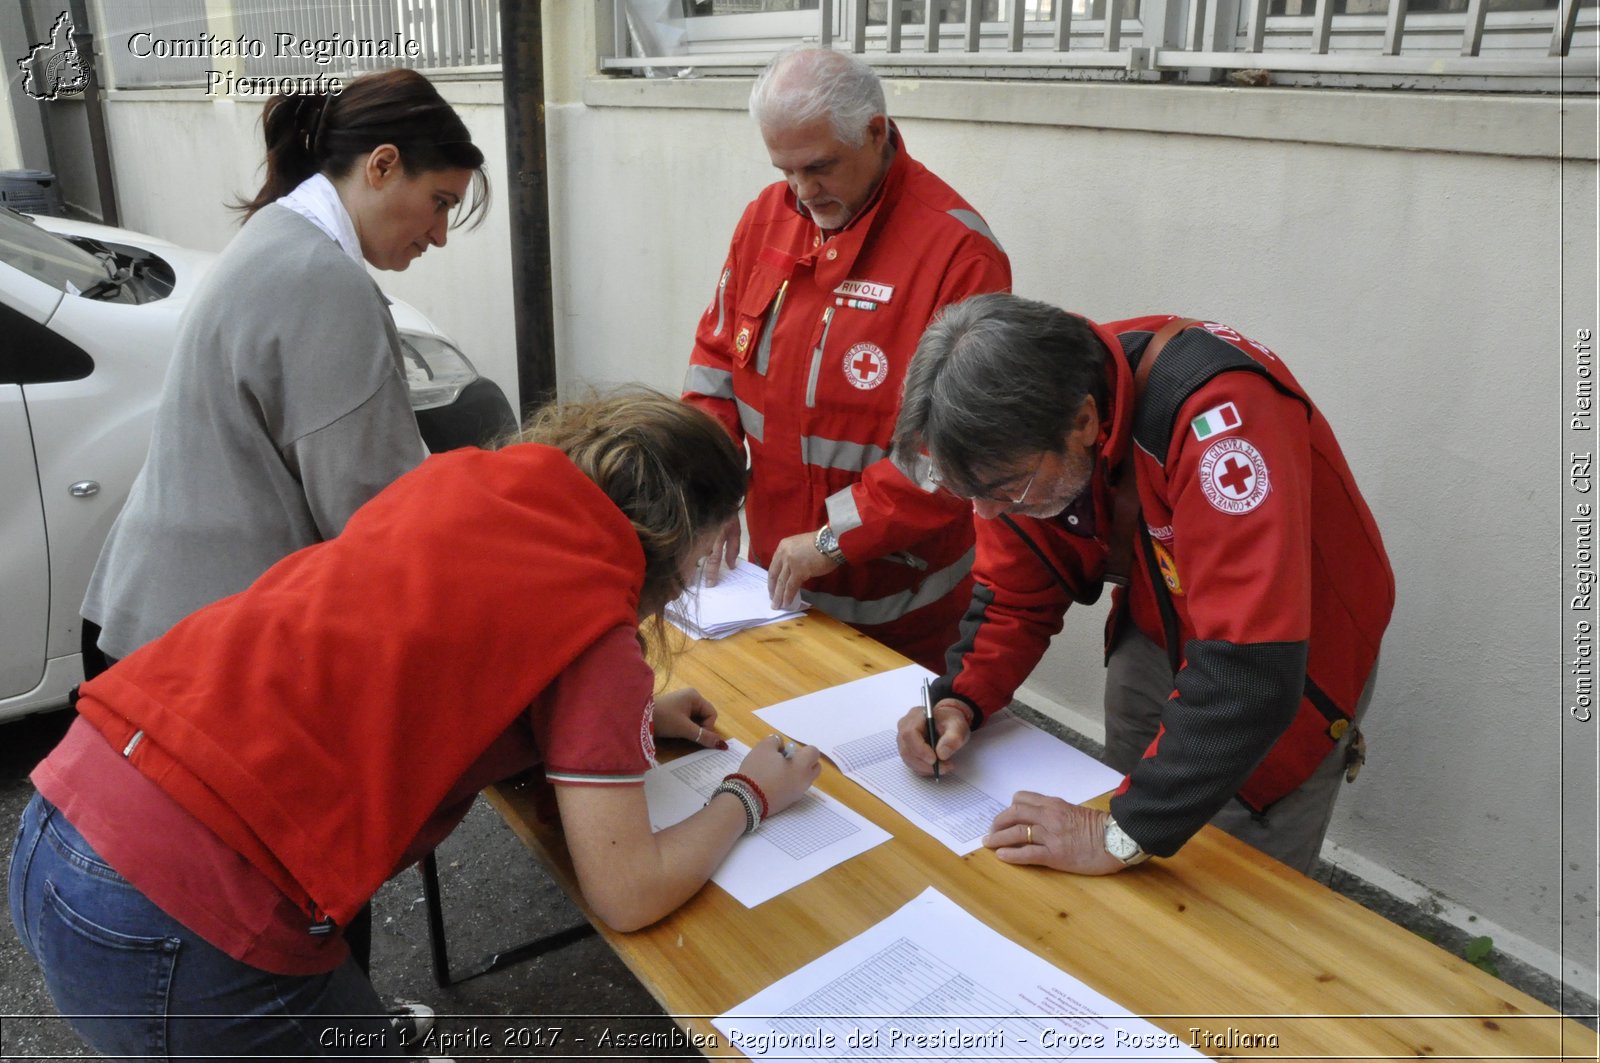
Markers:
<point>133,982</point>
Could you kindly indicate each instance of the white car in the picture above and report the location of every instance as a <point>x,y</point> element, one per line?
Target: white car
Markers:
<point>88,315</point>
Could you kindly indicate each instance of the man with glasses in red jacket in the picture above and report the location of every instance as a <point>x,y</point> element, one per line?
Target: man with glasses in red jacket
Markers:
<point>1181,462</point>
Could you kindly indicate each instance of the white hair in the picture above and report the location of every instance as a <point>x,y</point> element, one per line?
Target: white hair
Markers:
<point>803,84</point>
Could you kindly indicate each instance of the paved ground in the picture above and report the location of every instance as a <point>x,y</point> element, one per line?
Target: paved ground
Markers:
<point>495,895</point>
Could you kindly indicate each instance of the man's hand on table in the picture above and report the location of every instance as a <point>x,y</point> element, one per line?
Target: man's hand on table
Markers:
<point>1051,832</point>
<point>794,562</point>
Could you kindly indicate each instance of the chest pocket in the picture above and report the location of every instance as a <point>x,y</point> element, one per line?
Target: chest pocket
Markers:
<point>760,304</point>
<point>854,361</point>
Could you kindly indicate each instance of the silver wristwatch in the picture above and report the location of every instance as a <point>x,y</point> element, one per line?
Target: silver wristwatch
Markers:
<point>1121,846</point>
<point>827,545</point>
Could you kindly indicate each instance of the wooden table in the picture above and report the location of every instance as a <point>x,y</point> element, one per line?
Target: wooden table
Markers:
<point>1219,939</point>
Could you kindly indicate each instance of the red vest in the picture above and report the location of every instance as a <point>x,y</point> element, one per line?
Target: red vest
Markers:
<point>315,720</point>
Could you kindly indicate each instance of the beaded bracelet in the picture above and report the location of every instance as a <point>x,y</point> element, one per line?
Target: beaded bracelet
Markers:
<point>752,810</point>
<point>755,788</point>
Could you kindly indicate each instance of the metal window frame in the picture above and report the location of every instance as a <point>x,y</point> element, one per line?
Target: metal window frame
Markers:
<point>1198,40</point>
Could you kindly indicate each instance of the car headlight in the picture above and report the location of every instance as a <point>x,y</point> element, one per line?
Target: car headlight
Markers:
<point>435,371</point>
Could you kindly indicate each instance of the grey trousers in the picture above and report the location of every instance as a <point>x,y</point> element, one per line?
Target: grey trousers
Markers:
<point>1138,683</point>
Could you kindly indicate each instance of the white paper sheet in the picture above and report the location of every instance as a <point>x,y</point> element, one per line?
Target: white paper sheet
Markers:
<point>738,601</point>
<point>933,982</point>
<point>854,724</point>
<point>799,843</point>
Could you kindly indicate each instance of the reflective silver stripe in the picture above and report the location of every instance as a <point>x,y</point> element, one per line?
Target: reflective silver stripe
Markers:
<point>838,454</point>
<point>842,513</point>
<point>816,359</point>
<point>973,221</point>
<point>884,610</point>
<point>752,420</point>
<point>764,348</point>
<point>133,743</point>
<point>722,291</point>
<point>712,383</point>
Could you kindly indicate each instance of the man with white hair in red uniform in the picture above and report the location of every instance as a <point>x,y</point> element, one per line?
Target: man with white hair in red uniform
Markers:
<point>831,277</point>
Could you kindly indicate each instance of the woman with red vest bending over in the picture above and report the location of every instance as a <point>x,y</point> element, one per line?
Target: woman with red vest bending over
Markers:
<point>236,790</point>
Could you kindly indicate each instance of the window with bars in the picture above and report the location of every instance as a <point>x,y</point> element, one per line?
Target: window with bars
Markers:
<point>1509,45</point>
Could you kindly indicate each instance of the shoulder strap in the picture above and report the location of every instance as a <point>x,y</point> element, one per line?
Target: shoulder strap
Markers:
<point>1152,351</point>
<point>1189,362</point>
<point>1126,525</point>
<point>1125,502</point>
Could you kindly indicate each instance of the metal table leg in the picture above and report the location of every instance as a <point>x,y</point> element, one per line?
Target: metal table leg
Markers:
<point>517,954</point>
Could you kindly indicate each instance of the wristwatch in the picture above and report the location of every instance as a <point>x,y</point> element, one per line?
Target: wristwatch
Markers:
<point>827,545</point>
<point>1121,846</point>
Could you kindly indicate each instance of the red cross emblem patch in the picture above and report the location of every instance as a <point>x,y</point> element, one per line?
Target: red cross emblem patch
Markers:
<point>1233,476</point>
<point>866,366</point>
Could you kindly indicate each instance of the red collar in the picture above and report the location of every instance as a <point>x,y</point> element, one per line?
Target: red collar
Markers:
<point>1116,422</point>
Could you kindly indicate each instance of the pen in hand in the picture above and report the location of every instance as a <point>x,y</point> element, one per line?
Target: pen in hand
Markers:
<point>927,716</point>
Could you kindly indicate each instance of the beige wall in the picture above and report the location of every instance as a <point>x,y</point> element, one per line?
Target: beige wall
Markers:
<point>1416,293</point>
<point>1404,253</point>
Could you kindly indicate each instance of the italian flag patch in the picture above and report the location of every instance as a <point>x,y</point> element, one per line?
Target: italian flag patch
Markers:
<point>1215,421</point>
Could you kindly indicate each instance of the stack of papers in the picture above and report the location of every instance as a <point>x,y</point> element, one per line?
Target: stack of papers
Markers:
<point>738,601</point>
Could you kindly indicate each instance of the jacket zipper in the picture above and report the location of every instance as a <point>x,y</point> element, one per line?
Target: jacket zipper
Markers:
<point>764,348</point>
<point>816,360</point>
<point>722,293</point>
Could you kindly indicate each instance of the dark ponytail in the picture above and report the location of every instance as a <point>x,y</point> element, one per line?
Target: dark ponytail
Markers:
<point>327,133</point>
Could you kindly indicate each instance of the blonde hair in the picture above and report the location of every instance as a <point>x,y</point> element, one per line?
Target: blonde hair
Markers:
<point>673,472</point>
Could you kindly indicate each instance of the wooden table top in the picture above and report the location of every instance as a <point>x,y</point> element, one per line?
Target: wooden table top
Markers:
<point>1219,939</point>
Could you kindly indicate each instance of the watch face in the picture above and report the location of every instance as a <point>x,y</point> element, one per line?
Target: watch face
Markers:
<point>1118,843</point>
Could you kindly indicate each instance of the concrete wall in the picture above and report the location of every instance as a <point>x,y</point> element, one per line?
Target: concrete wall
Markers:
<point>1420,261</point>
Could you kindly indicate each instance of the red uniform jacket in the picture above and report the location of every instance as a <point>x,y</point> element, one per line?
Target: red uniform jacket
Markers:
<point>316,719</point>
<point>1277,579</point>
<point>801,354</point>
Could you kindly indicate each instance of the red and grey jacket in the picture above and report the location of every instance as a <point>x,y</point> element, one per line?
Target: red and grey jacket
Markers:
<point>1274,585</point>
<point>315,720</point>
<point>801,354</point>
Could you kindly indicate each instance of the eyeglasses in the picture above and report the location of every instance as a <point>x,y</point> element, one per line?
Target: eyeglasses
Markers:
<point>1006,500</point>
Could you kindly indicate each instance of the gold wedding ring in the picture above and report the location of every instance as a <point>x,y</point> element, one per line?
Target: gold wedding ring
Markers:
<point>1030,834</point>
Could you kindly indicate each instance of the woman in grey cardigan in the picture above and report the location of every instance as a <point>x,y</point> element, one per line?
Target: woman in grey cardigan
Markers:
<point>285,405</point>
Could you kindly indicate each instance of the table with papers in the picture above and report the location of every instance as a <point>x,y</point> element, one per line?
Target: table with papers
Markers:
<point>1218,952</point>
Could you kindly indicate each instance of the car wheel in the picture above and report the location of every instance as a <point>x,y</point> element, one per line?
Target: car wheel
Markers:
<point>478,416</point>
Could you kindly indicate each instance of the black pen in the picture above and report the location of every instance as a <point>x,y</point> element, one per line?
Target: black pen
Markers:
<point>927,716</point>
